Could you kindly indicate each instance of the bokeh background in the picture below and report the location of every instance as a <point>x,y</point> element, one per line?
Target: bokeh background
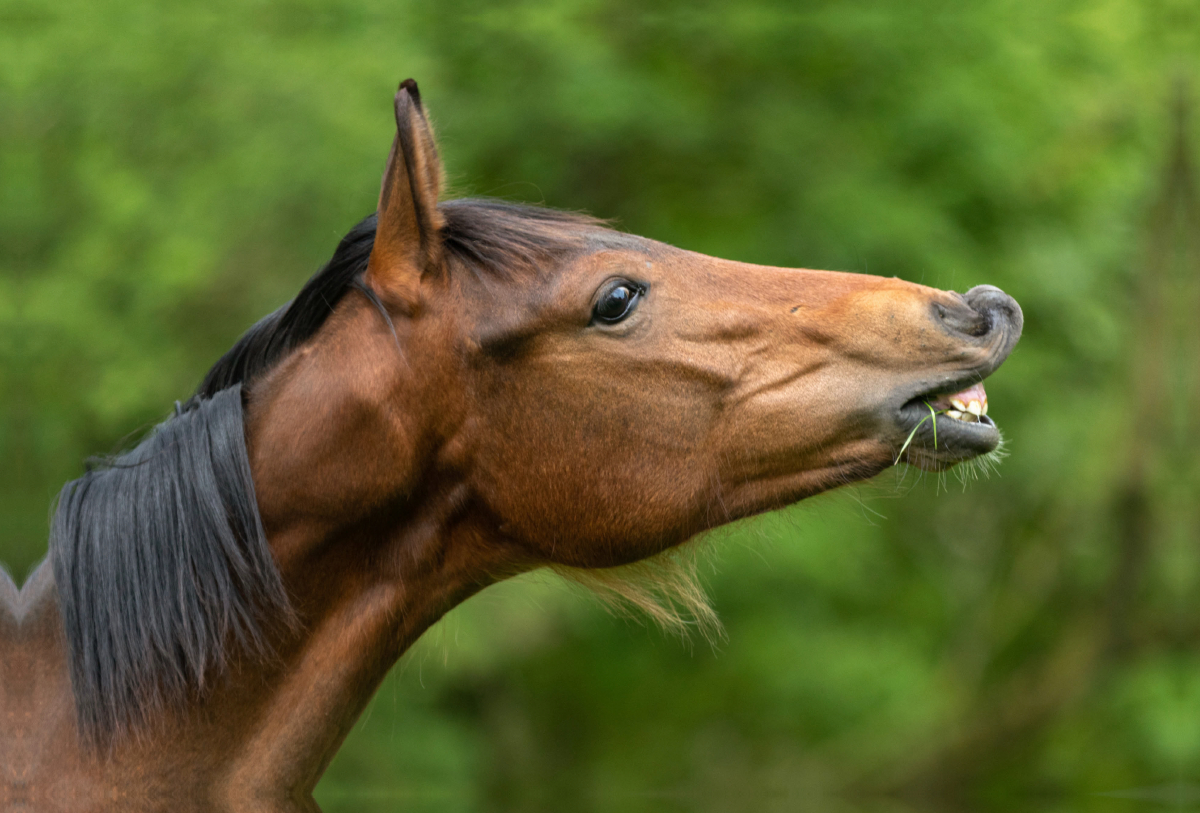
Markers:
<point>1030,641</point>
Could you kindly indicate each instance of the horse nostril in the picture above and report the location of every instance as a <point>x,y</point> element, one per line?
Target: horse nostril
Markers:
<point>960,317</point>
<point>998,306</point>
<point>981,311</point>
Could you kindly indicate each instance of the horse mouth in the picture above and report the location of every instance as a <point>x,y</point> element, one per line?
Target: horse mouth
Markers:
<point>946,426</point>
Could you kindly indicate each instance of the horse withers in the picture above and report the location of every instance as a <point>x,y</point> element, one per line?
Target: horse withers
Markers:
<point>468,390</point>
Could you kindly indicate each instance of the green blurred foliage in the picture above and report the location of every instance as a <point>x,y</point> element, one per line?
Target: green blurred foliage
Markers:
<point>168,175</point>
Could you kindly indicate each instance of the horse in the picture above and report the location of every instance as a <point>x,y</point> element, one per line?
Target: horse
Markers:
<point>469,389</point>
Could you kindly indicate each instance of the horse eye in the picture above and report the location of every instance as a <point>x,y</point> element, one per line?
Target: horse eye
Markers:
<point>616,302</point>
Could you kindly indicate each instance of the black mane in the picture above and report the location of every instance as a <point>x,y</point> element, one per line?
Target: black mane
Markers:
<point>159,553</point>
<point>160,560</point>
<point>494,237</point>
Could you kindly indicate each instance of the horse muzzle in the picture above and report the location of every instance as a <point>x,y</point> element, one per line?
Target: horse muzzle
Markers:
<point>946,420</point>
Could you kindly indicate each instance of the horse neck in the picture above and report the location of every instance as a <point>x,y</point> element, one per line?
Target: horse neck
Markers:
<point>270,729</point>
<point>358,615</point>
<point>375,536</point>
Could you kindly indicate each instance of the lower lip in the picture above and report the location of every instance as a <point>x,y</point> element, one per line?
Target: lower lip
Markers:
<point>954,437</point>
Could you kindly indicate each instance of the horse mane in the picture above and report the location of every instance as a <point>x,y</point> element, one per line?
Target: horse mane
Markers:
<point>161,560</point>
<point>483,236</point>
<point>159,553</point>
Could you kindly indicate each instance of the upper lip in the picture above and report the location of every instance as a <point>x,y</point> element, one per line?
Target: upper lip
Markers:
<point>986,315</point>
<point>982,305</point>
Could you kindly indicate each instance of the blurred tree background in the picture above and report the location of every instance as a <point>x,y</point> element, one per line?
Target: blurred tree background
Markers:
<point>168,175</point>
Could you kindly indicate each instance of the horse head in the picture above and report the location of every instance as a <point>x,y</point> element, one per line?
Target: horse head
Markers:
<point>593,397</point>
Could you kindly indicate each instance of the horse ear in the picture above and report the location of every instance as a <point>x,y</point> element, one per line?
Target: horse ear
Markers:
<point>407,241</point>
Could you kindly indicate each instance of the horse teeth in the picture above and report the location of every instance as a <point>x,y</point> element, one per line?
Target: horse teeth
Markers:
<point>959,404</point>
<point>958,415</point>
<point>975,408</point>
